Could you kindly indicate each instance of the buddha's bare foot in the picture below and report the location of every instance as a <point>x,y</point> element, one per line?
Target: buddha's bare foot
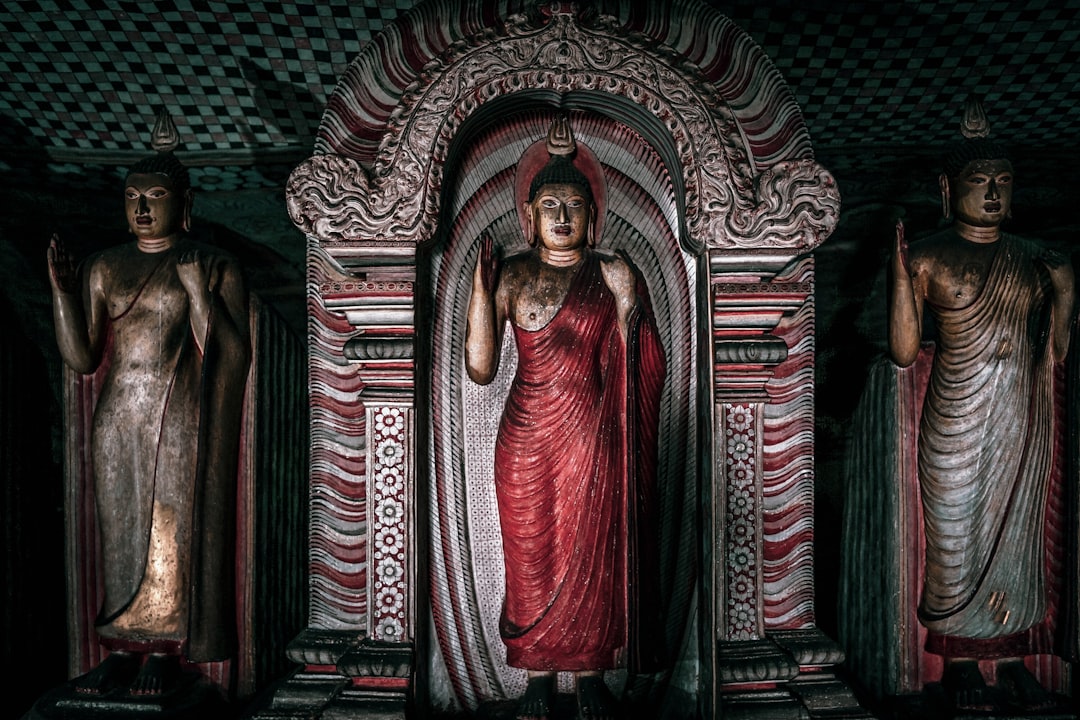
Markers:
<point>967,688</point>
<point>157,676</point>
<point>1021,688</point>
<point>113,672</point>
<point>538,700</point>
<point>594,700</point>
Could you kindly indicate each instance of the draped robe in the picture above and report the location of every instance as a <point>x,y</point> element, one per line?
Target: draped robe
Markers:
<point>986,456</point>
<point>575,468</point>
<point>165,439</point>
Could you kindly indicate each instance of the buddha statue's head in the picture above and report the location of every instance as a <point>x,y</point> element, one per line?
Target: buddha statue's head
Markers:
<point>977,181</point>
<point>157,189</point>
<point>561,208</point>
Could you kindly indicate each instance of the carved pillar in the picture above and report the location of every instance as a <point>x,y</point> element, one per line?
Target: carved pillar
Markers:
<point>745,354</point>
<point>381,311</point>
<point>768,652</point>
<point>381,664</point>
<point>358,652</point>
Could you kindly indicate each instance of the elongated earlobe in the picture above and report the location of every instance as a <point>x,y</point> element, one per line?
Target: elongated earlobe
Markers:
<point>946,200</point>
<point>530,229</point>
<point>189,198</point>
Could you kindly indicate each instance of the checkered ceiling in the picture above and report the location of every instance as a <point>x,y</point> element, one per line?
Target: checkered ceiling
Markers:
<point>247,80</point>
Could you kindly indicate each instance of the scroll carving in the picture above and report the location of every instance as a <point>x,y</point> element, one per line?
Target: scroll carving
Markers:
<point>792,204</point>
<point>331,198</point>
<point>797,206</point>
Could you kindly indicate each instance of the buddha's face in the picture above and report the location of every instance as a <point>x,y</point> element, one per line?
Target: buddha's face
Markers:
<point>982,192</point>
<point>154,208</point>
<point>561,214</point>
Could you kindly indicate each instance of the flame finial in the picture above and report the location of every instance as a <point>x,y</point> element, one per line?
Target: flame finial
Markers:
<point>974,123</point>
<point>165,137</point>
<point>560,139</point>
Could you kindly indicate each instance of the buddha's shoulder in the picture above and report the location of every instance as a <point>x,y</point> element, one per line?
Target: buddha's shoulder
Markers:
<point>1026,244</point>
<point>114,254</point>
<point>115,259</point>
<point>520,263</point>
<point>605,255</point>
<point>210,255</point>
<point>942,247</point>
<point>1034,251</point>
<point>204,248</point>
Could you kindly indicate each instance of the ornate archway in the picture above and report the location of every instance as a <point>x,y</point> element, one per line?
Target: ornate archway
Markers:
<point>697,128</point>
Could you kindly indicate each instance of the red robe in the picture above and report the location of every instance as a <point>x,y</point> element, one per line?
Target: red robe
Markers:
<point>575,471</point>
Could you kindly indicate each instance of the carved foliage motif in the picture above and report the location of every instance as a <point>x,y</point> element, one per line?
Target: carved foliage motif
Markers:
<point>796,205</point>
<point>793,204</point>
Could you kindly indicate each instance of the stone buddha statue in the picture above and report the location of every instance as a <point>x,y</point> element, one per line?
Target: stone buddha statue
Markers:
<point>1003,307</point>
<point>164,321</point>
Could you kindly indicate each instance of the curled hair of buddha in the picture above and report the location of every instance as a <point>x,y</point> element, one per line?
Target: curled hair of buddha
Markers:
<point>976,144</point>
<point>164,139</point>
<point>560,169</point>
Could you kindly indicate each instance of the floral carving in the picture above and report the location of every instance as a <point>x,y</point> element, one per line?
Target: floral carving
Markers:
<point>741,520</point>
<point>389,524</point>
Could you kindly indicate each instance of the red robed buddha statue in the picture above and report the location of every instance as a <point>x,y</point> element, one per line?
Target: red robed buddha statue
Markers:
<point>575,457</point>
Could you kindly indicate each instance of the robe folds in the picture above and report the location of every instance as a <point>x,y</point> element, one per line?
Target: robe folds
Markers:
<point>165,442</point>
<point>986,457</point>
<point>575,480</point>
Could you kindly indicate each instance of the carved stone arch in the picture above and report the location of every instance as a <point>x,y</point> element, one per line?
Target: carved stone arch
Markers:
<point>743,205</point>
<point>749,181</point>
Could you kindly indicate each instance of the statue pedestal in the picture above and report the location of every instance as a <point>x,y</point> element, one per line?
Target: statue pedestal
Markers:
<point>342,677</point>
<point>193,699</point>
<point>790,673</point>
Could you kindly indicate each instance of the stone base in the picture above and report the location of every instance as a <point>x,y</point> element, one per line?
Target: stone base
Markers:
<point>565,707</point>
<point>787,675</point>
<point>344,677</point>
<point>933,704</point>
<point>193,700</point>
<point>300,695</point>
